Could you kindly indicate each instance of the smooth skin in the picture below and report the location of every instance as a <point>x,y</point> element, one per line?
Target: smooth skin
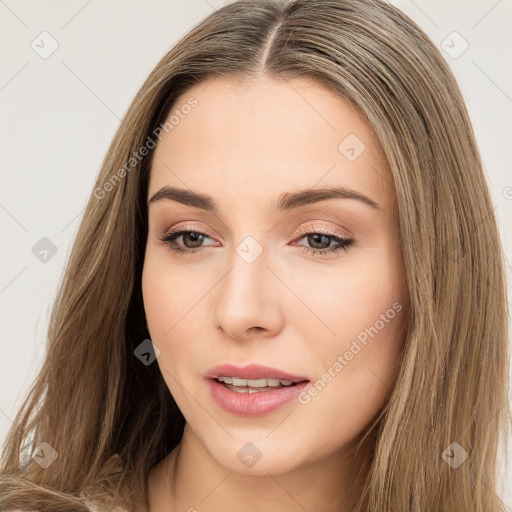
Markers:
<point>245,145</point>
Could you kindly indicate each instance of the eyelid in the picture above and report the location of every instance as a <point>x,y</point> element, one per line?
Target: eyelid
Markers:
<point>312,228</point>
<point>188,227</point>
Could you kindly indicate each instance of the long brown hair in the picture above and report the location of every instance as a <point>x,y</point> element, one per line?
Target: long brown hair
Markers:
<point>110,419</point>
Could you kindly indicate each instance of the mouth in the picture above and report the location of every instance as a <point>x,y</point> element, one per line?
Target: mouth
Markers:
<point>253,375</point>
<point>253,390</point>
<point>241,385</point>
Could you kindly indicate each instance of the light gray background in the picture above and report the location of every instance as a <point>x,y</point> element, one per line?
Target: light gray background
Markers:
<point>59,114</point>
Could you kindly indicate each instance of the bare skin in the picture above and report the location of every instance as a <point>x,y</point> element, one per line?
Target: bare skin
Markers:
<point>245,145</point>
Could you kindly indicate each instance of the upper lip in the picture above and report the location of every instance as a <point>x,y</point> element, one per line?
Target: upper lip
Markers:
<point>252,371</point>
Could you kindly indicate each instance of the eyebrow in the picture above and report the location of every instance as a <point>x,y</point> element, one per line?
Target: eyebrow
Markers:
<point>286,201</point>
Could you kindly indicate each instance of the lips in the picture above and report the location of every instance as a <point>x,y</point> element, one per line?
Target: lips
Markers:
<point>253,372</point>
<point>250,401</point>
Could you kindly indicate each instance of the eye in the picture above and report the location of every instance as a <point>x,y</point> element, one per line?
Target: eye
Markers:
<point>319,241</point>
<point>191,239</point>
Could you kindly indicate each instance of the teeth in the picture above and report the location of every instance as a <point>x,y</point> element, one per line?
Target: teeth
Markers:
<point>254,383</point>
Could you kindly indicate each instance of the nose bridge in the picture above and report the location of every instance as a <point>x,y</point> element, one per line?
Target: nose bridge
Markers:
<point>247,297</point>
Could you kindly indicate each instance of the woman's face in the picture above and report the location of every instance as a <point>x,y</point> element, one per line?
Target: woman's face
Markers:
<point>276,269</point>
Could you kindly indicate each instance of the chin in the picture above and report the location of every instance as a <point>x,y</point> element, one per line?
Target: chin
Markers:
<point>258,457</point>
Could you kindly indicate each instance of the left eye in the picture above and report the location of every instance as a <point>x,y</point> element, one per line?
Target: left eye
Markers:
<point>192,241</point>
<point>319,239</point>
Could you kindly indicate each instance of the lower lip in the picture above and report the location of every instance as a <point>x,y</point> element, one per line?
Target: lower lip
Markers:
<point>253,404</point>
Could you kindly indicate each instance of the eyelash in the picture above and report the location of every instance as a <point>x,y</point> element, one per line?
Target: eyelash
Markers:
<point>342,243</point>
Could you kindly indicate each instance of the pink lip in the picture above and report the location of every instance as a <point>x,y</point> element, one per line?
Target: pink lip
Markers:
<point>253,404</point>
<point>252,371</point>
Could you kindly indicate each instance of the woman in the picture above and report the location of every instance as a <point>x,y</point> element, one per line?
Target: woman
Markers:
<point>287,290</point>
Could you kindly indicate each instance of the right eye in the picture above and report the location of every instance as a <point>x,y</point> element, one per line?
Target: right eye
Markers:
<point>194,238</point>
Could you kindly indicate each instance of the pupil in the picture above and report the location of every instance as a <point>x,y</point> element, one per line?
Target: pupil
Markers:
<point>196,238</point>
<point>315,239</point>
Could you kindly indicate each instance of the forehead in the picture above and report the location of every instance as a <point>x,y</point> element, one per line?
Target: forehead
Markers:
<point>268,136</point>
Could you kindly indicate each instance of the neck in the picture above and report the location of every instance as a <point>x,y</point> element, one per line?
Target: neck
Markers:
<point>189,479</point>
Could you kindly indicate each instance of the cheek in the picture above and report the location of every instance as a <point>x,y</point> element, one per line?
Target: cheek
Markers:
<point>167,295</point>
<point>356,359</point>
<point>172,302</point>
<point>353,300</point>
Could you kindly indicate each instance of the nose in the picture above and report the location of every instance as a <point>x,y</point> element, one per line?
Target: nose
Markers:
<point>248,301</point>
